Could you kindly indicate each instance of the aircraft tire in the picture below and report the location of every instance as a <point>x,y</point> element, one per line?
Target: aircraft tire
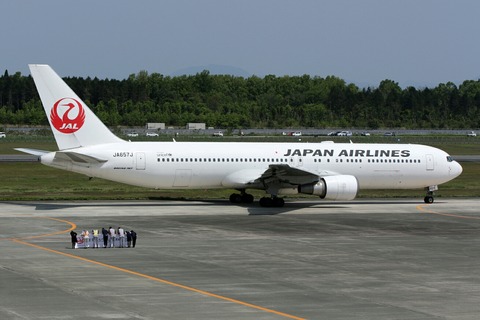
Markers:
<point>247,198</point>
<point>235,198</point>
<point>278,202</point>
<point>265,202</point>
<point>428,199</point>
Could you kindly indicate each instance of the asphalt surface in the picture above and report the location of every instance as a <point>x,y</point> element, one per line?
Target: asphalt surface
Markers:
<point>367,259</point>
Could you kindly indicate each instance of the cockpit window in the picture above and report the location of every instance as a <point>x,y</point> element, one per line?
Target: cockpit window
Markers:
<point>449,159</point>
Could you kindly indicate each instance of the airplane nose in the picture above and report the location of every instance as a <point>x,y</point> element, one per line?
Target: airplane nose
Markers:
<point>455,169</point>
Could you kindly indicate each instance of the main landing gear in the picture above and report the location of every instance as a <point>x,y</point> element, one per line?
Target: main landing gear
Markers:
<point>241,198</point>
<point>429,197</point>
<point>244,197</point>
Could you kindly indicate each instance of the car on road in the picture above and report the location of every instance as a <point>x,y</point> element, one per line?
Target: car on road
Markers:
<point>295,134</point>
<point>151,134</point>
<point>333,133</point>
<point>3,135</point>
<point>471,134</point>
<point>218,134</point>
<point>132,134</point>
<point>344,134</point>
<point>366,134</point>
<point>389,134</point>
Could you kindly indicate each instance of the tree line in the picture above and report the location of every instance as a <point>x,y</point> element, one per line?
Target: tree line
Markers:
<point>225,101</point>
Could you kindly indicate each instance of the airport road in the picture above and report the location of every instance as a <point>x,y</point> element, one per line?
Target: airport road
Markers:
<point>367,259</point>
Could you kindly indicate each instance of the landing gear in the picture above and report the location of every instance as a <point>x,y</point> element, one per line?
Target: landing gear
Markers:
<point>429,197</point>
<point>241,198</point>
<point>272,202</point>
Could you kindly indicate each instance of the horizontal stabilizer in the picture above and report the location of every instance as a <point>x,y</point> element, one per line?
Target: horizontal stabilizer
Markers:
<point>35,152</point>
<point>77,157</point>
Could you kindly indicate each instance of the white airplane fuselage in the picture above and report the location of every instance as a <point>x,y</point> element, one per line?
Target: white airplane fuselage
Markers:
<point>189,165</point>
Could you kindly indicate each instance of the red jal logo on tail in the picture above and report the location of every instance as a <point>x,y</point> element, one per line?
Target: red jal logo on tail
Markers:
<point>71,119</point>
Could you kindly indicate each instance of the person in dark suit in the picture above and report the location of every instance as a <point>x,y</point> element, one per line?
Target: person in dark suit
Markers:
<point>73,236</point>
<point>133,234</point>
<point>105,237</point>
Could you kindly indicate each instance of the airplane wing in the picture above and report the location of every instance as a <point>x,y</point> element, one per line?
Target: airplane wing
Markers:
<point>277,176</point>
<point>284,174</point>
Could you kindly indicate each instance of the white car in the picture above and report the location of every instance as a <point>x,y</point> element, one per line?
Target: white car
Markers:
<point>132,134</point>
<point>3,135</point>
<point>344,134</point>
<point>151,134</point>
<point>472,134</point>
<point>296,134</point>
<point>218,134</point>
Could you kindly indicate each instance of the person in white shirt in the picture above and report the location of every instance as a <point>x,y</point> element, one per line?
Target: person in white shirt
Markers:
<point>112,237</point>
<point>121,234</point>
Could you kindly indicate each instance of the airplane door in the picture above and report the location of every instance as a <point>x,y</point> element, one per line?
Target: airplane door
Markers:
<point>430,163</point>
<point>141,163</point>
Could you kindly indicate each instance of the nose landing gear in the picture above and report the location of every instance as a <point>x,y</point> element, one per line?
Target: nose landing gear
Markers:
<point>429,197</point>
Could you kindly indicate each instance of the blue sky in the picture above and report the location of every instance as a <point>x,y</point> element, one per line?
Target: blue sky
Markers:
<point>413,42</point>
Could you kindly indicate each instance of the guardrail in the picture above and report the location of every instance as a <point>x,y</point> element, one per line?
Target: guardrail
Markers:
<point>18,158</point>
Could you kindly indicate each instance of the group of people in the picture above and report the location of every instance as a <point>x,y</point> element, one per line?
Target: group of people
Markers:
<point>112,238</point>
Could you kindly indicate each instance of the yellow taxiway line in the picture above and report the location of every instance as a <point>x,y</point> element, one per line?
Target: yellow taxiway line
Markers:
<point>423,208</point>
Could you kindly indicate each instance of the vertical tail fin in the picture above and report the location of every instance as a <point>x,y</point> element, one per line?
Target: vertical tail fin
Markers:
<point>72,122</point>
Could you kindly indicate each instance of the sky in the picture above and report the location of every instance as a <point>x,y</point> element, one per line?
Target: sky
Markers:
<point>413,42</point>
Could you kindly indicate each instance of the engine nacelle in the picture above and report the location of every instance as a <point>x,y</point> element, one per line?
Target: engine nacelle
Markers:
<point>341,187</point>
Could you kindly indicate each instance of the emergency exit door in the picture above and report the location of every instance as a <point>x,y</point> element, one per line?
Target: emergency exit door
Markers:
<point>430,162</point>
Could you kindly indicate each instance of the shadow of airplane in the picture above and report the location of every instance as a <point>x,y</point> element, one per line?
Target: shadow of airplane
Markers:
<point>253,209</point>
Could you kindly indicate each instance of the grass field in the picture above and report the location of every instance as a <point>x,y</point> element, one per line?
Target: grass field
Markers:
<point>33,181</point>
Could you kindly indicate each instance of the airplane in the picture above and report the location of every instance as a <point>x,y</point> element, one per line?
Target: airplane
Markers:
<point>332,171</point>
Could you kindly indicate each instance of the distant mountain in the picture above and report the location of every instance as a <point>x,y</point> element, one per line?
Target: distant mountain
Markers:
<point>213,69</point>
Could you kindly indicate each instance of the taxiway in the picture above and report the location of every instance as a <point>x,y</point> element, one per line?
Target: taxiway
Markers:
<point>367,259</point>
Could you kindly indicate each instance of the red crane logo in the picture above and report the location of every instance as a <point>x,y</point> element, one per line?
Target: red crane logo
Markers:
<point>72,119</point>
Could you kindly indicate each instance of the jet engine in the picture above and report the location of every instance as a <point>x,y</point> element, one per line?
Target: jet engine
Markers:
<point>341,187</point>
